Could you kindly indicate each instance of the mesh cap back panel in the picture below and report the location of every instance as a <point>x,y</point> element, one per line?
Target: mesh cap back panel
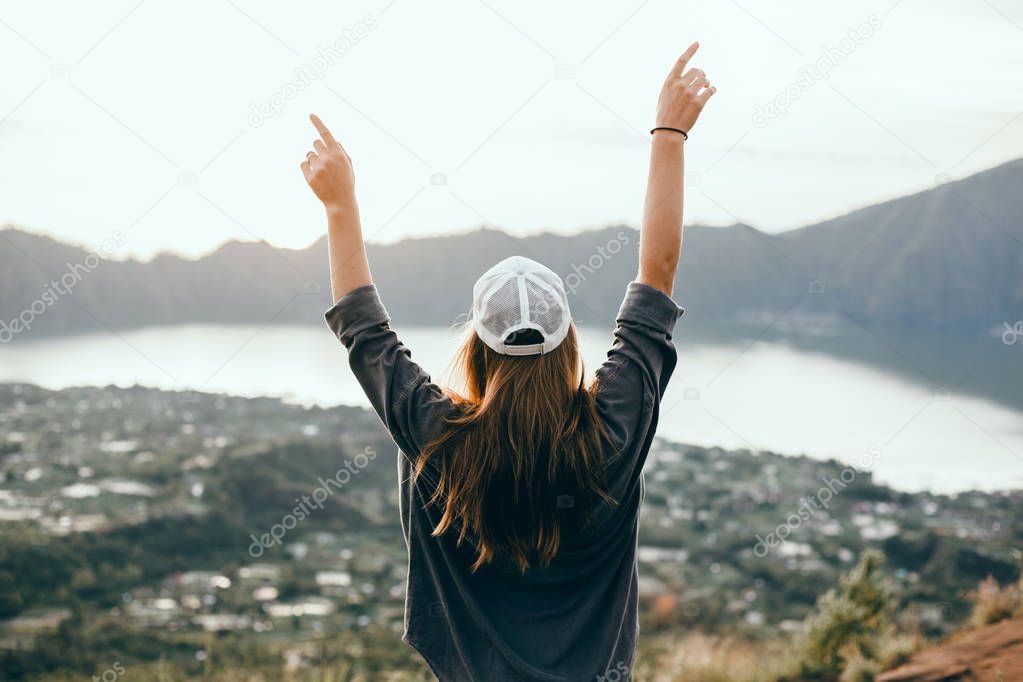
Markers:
<point>544,308</point>
<point>516,294</point>
<point>501,310</point>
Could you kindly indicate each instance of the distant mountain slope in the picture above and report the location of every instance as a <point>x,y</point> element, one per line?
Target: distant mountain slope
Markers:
<point>949,258</point>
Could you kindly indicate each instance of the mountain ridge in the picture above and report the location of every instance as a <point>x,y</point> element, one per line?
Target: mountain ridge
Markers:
<point>944,259</point>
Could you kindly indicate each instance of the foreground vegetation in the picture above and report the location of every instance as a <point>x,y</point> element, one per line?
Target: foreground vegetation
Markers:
<point>133,553</point>
<point>851,637</point>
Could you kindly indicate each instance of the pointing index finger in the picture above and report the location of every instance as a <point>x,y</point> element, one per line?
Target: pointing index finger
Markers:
<point>680,65</point>
<point>322,130</point>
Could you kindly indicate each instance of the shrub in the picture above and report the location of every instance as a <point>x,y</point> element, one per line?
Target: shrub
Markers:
<point>846,627</point>
<point>859,669</point>
<point>993,603</point>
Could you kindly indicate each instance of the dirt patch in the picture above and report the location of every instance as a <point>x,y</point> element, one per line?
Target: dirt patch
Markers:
<point>989,654</point>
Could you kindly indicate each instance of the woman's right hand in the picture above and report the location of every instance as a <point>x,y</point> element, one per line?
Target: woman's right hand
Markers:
<point>684,94</point>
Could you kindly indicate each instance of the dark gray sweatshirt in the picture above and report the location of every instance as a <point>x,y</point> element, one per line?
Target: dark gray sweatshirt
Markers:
<point>573,620</point>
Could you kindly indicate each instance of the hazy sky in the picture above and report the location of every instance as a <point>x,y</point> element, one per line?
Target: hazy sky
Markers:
<point>139,116</point>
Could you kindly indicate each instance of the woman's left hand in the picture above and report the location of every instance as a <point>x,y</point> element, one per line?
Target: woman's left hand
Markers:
<point>328,170</point>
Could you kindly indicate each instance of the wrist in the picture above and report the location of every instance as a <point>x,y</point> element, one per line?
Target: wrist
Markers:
<point>670,129</point>
<point>341,208</point>
<point>667,142</point>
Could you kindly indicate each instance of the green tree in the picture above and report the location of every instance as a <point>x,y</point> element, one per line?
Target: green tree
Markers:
<point>848,624</point>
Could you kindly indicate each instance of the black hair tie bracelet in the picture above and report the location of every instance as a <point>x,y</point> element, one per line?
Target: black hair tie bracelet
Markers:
<point>674,130</point>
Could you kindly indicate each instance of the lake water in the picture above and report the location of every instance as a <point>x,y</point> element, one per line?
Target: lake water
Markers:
<point>764,397</point>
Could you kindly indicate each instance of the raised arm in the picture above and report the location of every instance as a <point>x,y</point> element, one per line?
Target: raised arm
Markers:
<point>683,96</point>
<point>408,403</point>
<point>328,170</point>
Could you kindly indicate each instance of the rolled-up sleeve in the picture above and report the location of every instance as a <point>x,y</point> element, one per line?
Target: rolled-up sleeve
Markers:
<point>409,404</point>
<point>633,379</point>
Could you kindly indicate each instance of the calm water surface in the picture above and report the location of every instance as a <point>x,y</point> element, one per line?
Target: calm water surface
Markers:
<point>766,397</point>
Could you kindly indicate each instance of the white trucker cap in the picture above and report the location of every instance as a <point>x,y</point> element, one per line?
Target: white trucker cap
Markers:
<point>517,294</point>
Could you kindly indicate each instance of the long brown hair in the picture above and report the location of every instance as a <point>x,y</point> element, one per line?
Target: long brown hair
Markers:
<point>520,463</point>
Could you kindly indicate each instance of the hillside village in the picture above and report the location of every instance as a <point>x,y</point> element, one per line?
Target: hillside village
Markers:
<point>151,509</point>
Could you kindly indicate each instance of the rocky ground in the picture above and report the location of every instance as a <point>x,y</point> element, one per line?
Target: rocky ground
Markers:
<point>988,654</point>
